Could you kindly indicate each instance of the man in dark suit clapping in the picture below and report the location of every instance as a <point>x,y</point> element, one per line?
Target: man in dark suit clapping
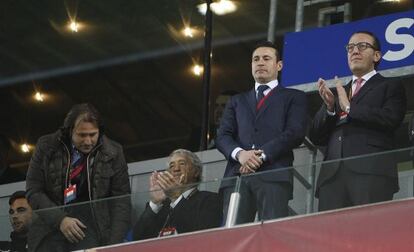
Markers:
<point>358,119</point>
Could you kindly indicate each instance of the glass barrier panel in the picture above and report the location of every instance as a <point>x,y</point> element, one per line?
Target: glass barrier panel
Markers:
<point>6,228</point>
<point>130,217</point>
<point>337,184</point>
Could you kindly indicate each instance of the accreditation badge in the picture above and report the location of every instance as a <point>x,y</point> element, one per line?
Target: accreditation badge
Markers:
<point>167,231</point>
<point>69,194</point>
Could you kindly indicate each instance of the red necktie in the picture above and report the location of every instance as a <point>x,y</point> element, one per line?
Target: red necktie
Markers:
<point>358,86</point>
<point>260,95</point>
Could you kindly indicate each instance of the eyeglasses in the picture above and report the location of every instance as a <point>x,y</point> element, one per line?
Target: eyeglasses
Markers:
<point>362,46</point>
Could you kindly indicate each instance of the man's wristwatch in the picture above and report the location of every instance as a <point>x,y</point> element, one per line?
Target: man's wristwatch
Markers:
<point>263,157</point>
<point>347,109</point>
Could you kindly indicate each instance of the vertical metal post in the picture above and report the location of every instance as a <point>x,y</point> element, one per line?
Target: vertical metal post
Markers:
<point>272,21</point>
<point>310,199</point>
<point>347,12</point>
<point>299,16</point>
<point>233,209</point>
<point>206,76</point>
<point>234,202</point>
<point>310,196</point>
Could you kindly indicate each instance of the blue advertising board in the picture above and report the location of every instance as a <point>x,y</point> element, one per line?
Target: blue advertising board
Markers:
<point>320,52</point>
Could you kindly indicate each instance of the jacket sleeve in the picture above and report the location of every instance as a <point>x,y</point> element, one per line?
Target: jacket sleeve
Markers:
<point>120,210</point>
<point>36,186</point>
<point>227,133</point>
<point>322,126</point>
<point>294,131</point>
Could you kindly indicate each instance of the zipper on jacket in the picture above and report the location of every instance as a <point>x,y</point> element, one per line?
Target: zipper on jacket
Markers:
<point>67,169</point>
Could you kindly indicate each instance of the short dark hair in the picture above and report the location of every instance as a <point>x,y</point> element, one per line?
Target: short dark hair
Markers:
<point>266,43</point>
<point>195,160</point>
<point>84,112</point>
<point>17,195</point>
<point>376,44</point>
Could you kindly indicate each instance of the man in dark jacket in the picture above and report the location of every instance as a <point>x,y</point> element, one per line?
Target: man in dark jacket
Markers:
<point>20,214</point>
<point>358,119</point>
<point>78,164</point>
<point>176,205</point>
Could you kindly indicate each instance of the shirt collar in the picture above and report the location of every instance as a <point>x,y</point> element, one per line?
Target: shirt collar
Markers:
<point>272,84</point>
<point>366,77</point>
<point>185,194</point>
<point>76,154</point>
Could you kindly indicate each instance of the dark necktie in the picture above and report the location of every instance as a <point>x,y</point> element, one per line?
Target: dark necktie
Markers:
<point>260,92</point>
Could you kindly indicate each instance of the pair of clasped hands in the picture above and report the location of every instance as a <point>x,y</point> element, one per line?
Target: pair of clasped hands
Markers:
<point>250,161</point>
<point>329,98</point>
<point>164,184</point>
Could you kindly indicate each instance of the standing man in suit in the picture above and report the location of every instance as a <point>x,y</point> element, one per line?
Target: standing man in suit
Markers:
<point>257,133</point>
<point>176,205</point>
<point>359,119</point>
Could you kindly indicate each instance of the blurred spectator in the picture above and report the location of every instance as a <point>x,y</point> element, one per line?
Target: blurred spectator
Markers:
<point>78,163</point>
<point>20,214</point>
<point>219,105</point>
<point>7,175</point>
<point>176,205</point>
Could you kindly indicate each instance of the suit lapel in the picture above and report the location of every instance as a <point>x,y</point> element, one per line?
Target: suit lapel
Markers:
<point>251,100</point>
<point>367,86</point>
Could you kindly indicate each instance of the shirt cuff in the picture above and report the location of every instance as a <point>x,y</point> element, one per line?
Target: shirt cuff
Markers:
<point>330,113</point>
<point>234,152</point>
<point>154,207</point>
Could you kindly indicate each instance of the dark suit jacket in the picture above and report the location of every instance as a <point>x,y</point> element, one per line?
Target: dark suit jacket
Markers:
<point>201,210</point>
<point>277,128</point>
<point>376,112</point>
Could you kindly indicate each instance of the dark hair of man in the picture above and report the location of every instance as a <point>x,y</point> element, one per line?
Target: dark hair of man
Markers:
<point>376,43</point>
<point>195,161</point>
<point>83,112</point>
<point>267,44</point>
<point>17,195</point>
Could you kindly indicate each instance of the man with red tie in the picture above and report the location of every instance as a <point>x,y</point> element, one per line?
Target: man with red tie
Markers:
<point>358,119</point>
<point>257,133</point>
